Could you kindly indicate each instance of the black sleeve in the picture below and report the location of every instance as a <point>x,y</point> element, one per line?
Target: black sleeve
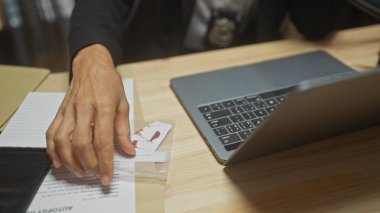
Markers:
<point>316,19</point>
<point>99,22</point>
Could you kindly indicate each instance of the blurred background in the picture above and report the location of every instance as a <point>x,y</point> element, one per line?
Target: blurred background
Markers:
<point>35,32</point>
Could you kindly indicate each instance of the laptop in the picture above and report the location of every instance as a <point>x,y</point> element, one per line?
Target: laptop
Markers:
<point>259,109</point>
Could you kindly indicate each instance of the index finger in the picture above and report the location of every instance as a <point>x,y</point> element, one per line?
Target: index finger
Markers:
<point>103,143</point>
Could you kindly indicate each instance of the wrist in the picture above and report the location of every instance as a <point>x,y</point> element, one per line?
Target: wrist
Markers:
<point>92,54</point>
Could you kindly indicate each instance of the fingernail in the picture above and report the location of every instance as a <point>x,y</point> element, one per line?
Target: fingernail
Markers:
<point>96,174</point>
<point>132,149</point>
<point>78,174</point>
<point>105,180</point>
<point>56,164</point>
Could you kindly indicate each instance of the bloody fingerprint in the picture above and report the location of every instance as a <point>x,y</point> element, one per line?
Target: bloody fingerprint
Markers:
<point>138,132</point>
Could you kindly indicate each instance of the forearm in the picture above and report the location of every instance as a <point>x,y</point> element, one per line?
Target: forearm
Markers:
<point>98,22</point>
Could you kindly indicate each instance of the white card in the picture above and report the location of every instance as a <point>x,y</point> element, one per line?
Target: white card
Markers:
<point>147,139</point>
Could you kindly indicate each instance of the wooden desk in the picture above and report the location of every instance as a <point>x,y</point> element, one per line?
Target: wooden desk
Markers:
<point>337,175</point>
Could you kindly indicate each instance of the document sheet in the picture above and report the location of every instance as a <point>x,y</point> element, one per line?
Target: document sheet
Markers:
<point>61,191</point>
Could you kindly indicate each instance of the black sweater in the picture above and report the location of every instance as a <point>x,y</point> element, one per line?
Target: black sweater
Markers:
<point>158,27</point>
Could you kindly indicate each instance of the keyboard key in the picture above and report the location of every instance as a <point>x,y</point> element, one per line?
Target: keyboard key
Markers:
<point>220,131</point>
<point>248,115</point>
<point>259,104</point>
<point>217,106</point>
<point>233,128</point>
<point>228,104</point>
<point>232,138</point>
<point>217,114</point>
<point>219,122</point>
<point>240,101</point>
<point>281,99</point>
<point>270,109</point>
<point>244,134</point>
<point>275,93</point>
<point>253,130</point>
<point>236,110</point>
<point>246,125</point>
<point>233,146</point>
<point>248,107</point>
<point>260,112</point>
<point>257,121</point>
<point>252,98</point>
<point>204,109</point>
<point>236,118</point>
<point>271,102</point>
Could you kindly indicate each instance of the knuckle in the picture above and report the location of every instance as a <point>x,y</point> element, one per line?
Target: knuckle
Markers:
<point>123,111</point>
<point>59,139</point>
<point>102,145</point>
<point>49,134</point>
<point>124,106</point>
<point>63,109</point>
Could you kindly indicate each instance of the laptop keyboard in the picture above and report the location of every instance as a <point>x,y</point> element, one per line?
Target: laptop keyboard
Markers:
<point>234,120</point>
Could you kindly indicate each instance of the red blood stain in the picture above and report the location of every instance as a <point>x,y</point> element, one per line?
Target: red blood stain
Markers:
<point>155,136</point>
<point>138,132</point>
<point>134,143</point>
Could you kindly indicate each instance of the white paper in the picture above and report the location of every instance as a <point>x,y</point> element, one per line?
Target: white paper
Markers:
<point>61,191</point>
<point>129,93</point>
<point>28,125</point>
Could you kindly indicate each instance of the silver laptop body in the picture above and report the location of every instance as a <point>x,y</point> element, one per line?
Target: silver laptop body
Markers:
<point>255,110</point>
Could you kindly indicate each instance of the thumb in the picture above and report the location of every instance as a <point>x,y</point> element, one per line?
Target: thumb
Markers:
<point>122,128</point>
